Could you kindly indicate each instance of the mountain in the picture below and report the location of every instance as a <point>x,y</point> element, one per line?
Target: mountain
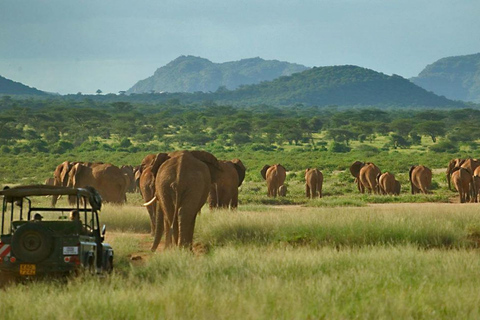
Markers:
<point>16,88</point>
<point>336,85</point>
<point>193,74</point>
<point>453,77</point>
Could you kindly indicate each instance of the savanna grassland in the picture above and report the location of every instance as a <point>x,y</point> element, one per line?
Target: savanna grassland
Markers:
<point>289,262</point>
<point>347,255</point>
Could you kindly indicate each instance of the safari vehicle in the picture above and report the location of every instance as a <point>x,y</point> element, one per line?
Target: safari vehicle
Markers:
<point>53,243</point>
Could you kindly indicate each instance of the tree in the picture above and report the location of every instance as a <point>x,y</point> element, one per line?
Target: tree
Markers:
<point>433,129</point>
<point>98,91</point>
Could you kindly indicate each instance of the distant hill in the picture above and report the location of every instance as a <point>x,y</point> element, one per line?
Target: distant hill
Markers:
<point>16,88</point>
<point>193,74</point>
<point>337,85</point>
<point>453,77</point>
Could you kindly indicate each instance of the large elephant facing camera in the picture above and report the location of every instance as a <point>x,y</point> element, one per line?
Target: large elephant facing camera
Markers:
<point>275,176</point>
<point>365,174</point>
<point>107,179</point>
<point>224,192</point>
<point>182,185</point>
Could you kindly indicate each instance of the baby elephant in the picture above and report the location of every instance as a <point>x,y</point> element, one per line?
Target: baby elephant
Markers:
<point>313,183</point>
<point>282,191</point>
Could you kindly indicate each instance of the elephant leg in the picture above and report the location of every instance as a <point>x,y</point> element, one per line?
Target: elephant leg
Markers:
<point>54,200</point>
<point>320,191</point>
<point>313,189</point>
<point>153,221</point>
<point>234,203</point>
<point>160,220</point>
<point>186,227</point>
<point>307,191</point>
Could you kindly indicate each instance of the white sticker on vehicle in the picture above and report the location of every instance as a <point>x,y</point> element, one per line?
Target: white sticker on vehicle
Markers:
<point>70,250</point>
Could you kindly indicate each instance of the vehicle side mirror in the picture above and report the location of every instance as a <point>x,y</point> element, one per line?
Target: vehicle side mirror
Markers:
<point>104,229</point>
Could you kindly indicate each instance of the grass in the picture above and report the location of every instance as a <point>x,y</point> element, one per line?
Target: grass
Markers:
<point>393,260</point>
<point>265,283</point>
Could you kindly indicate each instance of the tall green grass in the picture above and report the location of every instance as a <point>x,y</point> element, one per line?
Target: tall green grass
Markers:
<point>267,283</point>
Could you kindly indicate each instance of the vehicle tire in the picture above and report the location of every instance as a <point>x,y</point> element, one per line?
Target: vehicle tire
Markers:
<point>109,265</point>
<point>32,243</point>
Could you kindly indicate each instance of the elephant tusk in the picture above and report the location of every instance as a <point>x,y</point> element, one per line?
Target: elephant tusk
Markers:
<point>149,202</point>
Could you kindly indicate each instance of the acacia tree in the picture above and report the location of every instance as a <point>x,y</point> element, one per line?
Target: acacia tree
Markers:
<point>433,129</point>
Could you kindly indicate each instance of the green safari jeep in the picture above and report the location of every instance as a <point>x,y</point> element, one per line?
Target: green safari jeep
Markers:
<point>38,240</point>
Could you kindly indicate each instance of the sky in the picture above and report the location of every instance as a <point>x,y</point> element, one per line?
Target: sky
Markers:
<point>71,46</point>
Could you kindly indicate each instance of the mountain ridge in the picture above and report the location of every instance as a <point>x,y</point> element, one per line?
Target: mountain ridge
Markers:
<point>8,86</point>
<point>455,77</point>
<point>193,74</point>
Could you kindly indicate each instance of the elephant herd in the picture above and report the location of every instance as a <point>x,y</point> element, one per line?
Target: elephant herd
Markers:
<point>176,185</point>
<point>368,177</point>
<point>111,181</point>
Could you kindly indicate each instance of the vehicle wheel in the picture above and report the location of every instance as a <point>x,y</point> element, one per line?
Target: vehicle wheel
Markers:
<point>32,243</point>
<point>109,265</point>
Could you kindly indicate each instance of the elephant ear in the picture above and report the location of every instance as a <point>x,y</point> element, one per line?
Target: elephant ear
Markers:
<point>210,160</point>
<point>240,170</point>
<point>263,172</point>
<point>410,172</point>
<point>355,168</point>
<point>67,166</point>
<point>280,166</point>
<point>147,161</point>
<point>158,161</point>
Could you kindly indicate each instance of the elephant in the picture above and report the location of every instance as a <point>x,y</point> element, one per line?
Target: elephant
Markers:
<point>60,177</point>
<point>224,193</point>
<point>282,190</point>
<point>313,183</point>
<point>275,176</point>
<point>108,179</point>
<point>182,185</point>
<point>451,165</point>
<point>365,174</point>
<point>128,171</point>
<point>420,179</point>
<point>387,184</point>
<point>147,187</point>
<point>476,183</point>
<point>137,173</point>
<point>462,179</point>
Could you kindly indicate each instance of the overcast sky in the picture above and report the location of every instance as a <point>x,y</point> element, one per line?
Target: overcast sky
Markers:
<point>71,46</point>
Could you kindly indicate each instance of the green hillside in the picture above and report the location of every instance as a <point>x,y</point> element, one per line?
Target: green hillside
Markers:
<point>337,85</point>
<point>453,77</point>
<point>192,74</point>
<point>16,88</point>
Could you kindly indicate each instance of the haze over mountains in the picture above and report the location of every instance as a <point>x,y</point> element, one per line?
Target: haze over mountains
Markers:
<point>192,74</point>
<point>456,77</point>
<point>256,81</point>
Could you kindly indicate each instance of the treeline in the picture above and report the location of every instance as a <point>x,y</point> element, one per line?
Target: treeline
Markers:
<point>59,126</point>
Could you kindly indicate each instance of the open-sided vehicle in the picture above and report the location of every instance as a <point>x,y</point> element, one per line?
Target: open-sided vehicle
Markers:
<point>38,240</point>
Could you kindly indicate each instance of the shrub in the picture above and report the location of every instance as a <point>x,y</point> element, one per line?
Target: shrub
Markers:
<point>444,146</point>
<point>338,147</point>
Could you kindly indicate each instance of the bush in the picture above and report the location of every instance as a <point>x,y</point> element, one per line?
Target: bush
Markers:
<point>444,146</point>
<point>338,147</point>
